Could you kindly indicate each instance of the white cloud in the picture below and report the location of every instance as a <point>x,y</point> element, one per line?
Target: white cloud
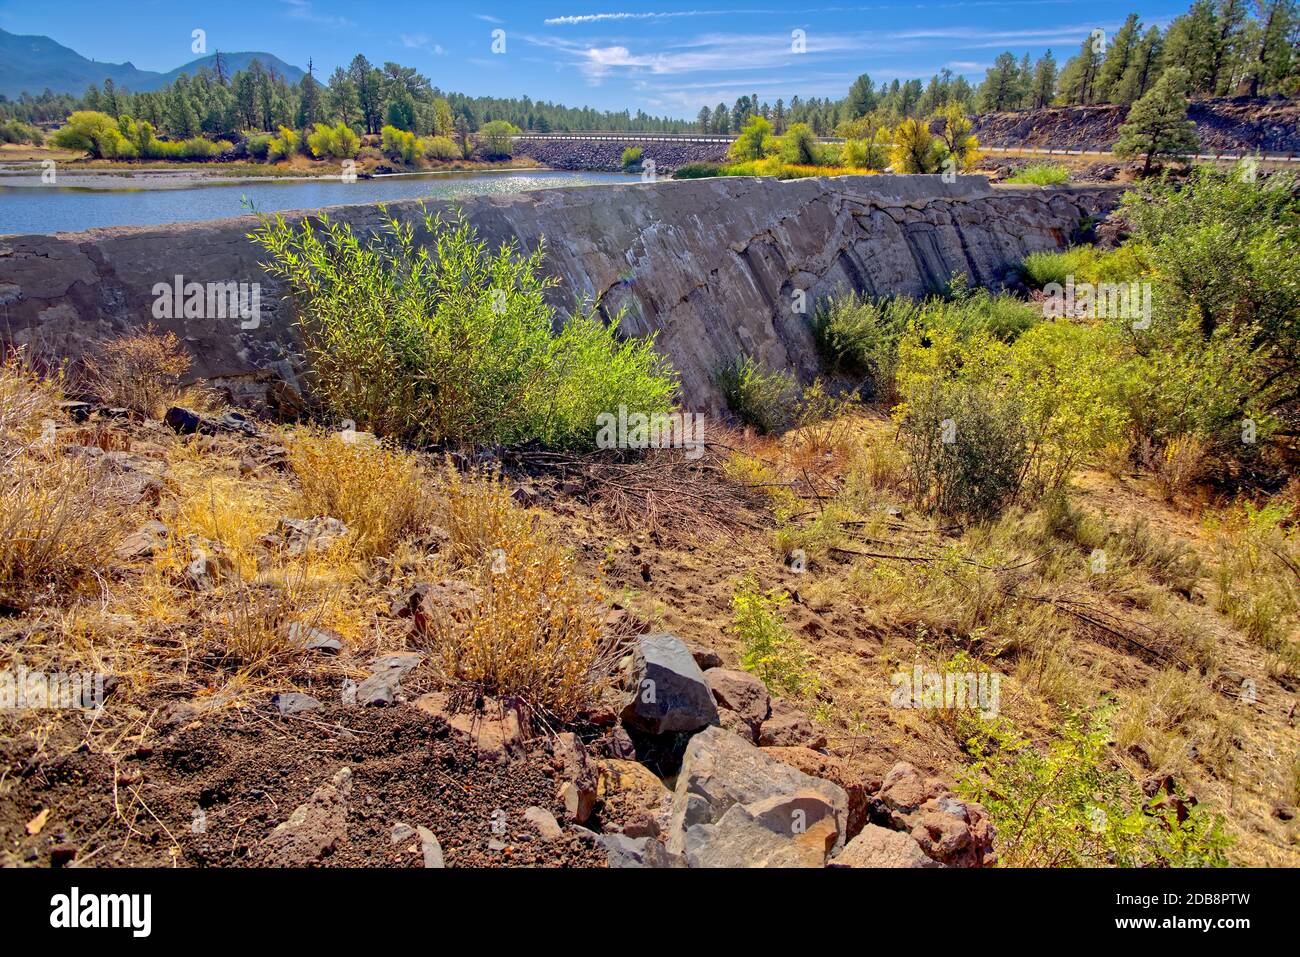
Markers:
<point>302,10</point>
<point>708,53</point>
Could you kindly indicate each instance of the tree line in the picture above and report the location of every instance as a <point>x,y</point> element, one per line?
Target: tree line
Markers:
<point>362,96</point>
<point>1228,47</point>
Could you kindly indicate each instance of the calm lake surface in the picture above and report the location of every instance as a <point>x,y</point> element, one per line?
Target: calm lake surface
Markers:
<point>50,209</point>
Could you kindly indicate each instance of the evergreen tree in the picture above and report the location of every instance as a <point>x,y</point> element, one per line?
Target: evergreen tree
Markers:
<point>369,84</point>
<point>1142,71</point>
<point>401,111</point>
<point>1231,18</point>
<point>862,97</point>
<point>1118,57</point>
<point>1157,124</point>
<point>1191,43</point>
<point>1043,88</point>
<point>1024,83</point>
<point>311,109</point>
<point>344,107</point>
<point>1269,47</point>
<point>721,119</point>
<point>1001,87</point>
<point>1078,81</point>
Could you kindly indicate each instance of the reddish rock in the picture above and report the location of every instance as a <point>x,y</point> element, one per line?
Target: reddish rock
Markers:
<point>880,847</point>
<point>789,727</point>
<point>741,692</point>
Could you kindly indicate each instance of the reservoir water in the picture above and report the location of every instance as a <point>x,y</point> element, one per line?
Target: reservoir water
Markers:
<point>29,208</point>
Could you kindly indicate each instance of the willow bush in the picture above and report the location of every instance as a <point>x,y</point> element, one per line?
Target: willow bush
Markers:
<point>419,332</point>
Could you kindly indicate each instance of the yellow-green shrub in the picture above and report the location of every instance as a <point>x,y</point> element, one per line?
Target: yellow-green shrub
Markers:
<point>337,142</point>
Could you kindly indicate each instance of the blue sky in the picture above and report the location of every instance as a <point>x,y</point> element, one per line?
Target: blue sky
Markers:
<point>667,57</point>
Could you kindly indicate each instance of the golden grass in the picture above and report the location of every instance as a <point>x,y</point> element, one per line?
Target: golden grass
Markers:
<point>59,520</point>
<point>29,403</point>
<point>1180,465</point>
<point>1257,577</point>
<point>536,632</point>
<point>381,494</point>
<point>479,516</point>
<point>250,622</point>
<point>214,509</point>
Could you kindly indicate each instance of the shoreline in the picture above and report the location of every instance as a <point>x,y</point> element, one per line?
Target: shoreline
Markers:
<point>161,178</point>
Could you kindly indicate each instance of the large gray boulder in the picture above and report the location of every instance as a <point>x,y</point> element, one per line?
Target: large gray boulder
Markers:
<point>788,830</point>
<point>784,817</point>
<point>667,689</point>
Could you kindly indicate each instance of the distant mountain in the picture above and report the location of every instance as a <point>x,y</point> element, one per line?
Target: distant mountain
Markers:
<point>231,63</point>
<point>35,64</point>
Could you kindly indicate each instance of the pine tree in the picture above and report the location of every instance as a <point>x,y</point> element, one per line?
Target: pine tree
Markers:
<point>999,91</point>
<point>1191,42</point>
<point>721,119</point>
<point>1078,83</point>
<point>1024,82</point>
<point>1142,71</point>
<point>310,108</point>
<point>1268,48</point>
<point>1157,124</point>
<point>111,100</point>
<point>1044,85</point>
<point>369,85</point>
<point>862,97</point>
<point>1231,18</point>
<point>1118,56</point>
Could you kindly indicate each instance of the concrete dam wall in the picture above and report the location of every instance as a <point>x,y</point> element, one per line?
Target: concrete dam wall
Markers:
<point>716,267</point>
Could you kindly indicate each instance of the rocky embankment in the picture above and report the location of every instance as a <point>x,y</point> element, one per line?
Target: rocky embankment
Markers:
<point>1269,125</point>
<point>607,156</point>
<point>717,268</point>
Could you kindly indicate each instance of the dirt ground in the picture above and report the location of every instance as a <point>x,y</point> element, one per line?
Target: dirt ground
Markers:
<point>125,791</point>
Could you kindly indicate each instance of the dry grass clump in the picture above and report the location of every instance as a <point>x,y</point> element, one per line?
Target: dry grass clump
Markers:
<point>380,493</point>
<point>59,520</point>
<point>1180,465</point>
<point>28,401</point>
<point>250,622</point>
<point>1163,716</point>
<point>478,515</point>
<point>60,515</point>
<point>878,465</point>
<point>214,509</point>
<point>140,372</point>
<point>1258,577</point>
<point>535,633</point>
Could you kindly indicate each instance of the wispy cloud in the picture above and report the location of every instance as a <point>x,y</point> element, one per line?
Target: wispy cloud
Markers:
<point>303,10</point>
<point>418,41</point>
<point>708,53</point>
<point>581,18</point>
